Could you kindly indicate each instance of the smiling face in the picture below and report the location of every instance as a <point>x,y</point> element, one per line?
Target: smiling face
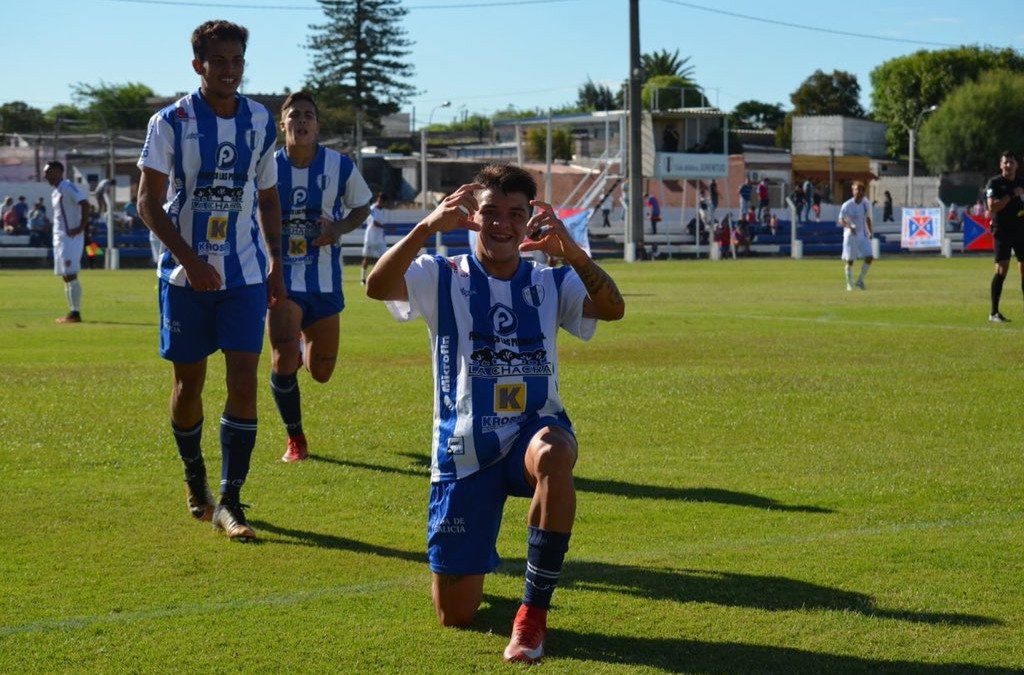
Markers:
<point>221,68</point>
<point>300,125</point>
<point>502,218</point>
<point>1008,166</point>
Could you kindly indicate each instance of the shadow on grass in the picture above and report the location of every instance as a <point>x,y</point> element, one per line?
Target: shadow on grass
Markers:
<point>694,494</point>
<point>733,590</point>
<point>681,655</point>
<point>292,536</point>
<point>610,487</point>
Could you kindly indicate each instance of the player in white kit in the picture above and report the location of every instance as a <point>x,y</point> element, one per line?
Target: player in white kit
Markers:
<point>855,218</point>
<point>70,219</point>
<point>499,426</point>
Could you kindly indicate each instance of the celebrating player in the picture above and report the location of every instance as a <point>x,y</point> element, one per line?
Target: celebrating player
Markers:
<point>1005,196</point>
<point>499,426</point>
<point>855,217</point>
<point>316,185</point>
<point>215,149</point>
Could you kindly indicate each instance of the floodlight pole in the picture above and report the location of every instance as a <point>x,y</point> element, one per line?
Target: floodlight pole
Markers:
<point>913,136</point>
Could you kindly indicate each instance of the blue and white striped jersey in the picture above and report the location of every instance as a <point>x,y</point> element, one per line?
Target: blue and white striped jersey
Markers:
<point>215,166</point>
<point>329,186</point>
<point>493,347</point>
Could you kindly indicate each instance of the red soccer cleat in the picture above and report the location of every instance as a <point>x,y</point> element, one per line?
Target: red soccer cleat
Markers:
<point>297,449</point>
<point>528,630</point>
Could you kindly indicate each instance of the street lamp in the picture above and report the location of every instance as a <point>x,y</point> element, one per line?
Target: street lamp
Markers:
<point>913,137</point>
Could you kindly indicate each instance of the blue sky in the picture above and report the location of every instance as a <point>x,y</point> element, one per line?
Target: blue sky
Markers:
<point>484,55</point>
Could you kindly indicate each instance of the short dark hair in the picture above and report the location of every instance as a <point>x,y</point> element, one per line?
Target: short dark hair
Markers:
<point>296,96</point>
<point>55,164</point>
<point>217,30</point>
<point>508,178</point>
<point>1009,154</point>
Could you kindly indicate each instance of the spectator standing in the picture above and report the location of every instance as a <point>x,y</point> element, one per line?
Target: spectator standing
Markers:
<point>855,218</point>
<point>762,200</point>
<point>809,196</point>
<point>713,193</point>
<point>21,210</point>
<point>654,211</point>
<point>799,200</point>
<point>606,208</point>
<point>887,207</point>
<point>215,149</point>
<point>70,217</point>
<point>745,191</point>
<point>1004,193</point>
<point>38,224</point>
<point>104,188</point>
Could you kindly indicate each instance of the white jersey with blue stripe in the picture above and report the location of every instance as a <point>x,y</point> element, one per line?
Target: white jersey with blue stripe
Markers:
<point>493,347</point>
<point>215,166</point>
<point>329,186</point>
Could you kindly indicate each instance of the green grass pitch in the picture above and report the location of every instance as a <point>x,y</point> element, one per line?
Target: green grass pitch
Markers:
<point>776,476</point>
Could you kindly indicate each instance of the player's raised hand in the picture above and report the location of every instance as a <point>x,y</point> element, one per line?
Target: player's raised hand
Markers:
<point>456,210</point>
<point>545,232</point>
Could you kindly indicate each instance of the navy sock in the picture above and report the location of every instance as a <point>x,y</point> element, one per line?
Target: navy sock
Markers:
<point>544,555</point>
<point>189,449</point>
<point>285,389</point>
<point>237,439</point>
<point>997,291</point>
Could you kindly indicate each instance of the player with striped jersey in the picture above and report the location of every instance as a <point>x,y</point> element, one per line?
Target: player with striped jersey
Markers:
<point>499,426</point>
<point>316,186</point>
<point>209,193</point>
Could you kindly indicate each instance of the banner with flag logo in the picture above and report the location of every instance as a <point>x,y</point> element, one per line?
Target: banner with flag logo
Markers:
<point>922,228</point>
<point>977,232</point>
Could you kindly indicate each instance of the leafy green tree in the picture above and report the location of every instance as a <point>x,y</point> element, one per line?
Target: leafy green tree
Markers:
<point>672,92</point>
<point>113,106</point>
<point>904,86</point>
<point>20,117</point>
<point>594,97</point>
<point>663,63</point>
<point>360,57</point>
<point>974,124</point>
<point>822,93</point>
<point>537,139</point>
<point>756,115</point>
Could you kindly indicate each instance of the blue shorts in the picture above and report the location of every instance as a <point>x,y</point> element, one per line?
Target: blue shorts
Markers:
<point>464,516</point>
<point>316,306</point>
<point>195,324</point>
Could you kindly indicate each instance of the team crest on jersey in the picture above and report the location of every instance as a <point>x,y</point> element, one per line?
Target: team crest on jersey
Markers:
<point>252,138</point>
<point>323,181</point>
<point>227,153</point>
<point>534,295</point>
<point>503,319</point>
<point>299,196</point>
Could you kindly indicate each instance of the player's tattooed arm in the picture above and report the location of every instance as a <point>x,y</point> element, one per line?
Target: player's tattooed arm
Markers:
<point>604,301</point>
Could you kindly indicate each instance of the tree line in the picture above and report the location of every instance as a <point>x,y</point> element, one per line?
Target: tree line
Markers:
<point>361,73</point>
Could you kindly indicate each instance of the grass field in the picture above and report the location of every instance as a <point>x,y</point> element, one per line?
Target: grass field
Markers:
<point>776,476</point>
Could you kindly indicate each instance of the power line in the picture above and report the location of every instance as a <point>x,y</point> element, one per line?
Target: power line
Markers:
<point>317,8</point>
<point>816,29</point>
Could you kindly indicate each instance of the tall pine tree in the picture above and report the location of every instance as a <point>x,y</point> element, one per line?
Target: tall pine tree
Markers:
<point>359,61</point>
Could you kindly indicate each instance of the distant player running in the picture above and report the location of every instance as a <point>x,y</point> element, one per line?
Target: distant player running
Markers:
<point>855,217</point>
<point>499,426</point>
<point>316,186</point>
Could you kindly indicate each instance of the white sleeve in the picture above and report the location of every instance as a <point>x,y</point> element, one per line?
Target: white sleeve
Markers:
<point>421,287</point>
<point>357,192</point>
<point>570,308</point>
<point>266,169</point>
<point>158,150</point>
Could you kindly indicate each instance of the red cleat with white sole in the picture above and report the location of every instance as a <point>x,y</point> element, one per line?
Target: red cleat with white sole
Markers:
<point>528,631</point>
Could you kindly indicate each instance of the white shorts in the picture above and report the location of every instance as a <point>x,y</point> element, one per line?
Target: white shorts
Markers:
<point>67,255</point>
<point>855,246</point>
<point>373,243</point>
